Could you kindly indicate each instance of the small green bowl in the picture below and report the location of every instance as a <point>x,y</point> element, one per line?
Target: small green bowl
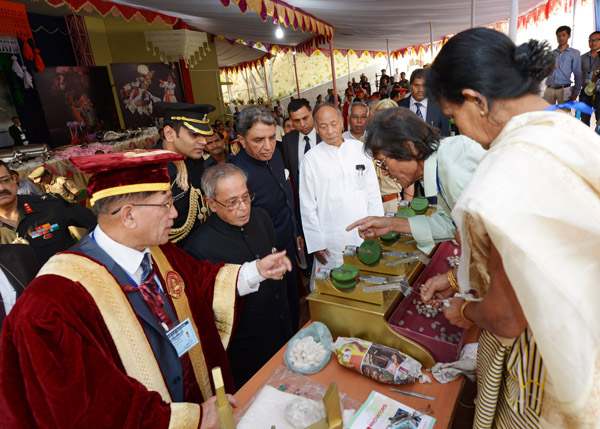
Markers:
<point>419,205</point>
<point>389,238</point>
<point>345,281</point>
<point>405,213</point>
<point>370,258</point>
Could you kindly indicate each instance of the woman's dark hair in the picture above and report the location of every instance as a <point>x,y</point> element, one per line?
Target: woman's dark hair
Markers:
<point>391,132</point>
<point>487,61</point>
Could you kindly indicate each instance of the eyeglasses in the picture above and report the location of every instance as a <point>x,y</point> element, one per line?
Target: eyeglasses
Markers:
<point>166,205</point>
<point>234,204</point>
<point>381,164</point>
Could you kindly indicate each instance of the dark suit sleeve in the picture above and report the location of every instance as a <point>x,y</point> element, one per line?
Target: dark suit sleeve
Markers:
<point>14,133</point>
<point>78,215</point>
<point>444,123</point>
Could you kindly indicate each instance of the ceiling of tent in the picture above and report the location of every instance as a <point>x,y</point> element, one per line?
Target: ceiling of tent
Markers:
<point>357,24</point>
<point>371,25</point>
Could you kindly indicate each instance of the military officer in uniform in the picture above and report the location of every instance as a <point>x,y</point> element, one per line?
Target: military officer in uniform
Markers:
<point>186,128</point>
<point>60,185</point>
<point>42,222</point>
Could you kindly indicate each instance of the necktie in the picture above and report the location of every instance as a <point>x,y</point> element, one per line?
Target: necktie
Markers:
<point>150,293</point>
<point>307,144</point>
<point>419,113</point>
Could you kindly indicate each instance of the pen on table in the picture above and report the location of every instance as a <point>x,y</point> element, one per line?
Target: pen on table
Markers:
<point>416,395</point>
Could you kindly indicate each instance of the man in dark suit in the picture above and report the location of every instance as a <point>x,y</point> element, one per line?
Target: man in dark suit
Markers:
<point>18,267</point>
<point>296,143</point>
<point>424,107</point>
<point>293,147</point>
<point>17,132</point>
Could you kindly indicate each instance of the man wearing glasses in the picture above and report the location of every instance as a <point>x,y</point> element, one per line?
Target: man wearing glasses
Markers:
<point>590,67</point>
<point>267,177</point>
<point>243,233</point>
<point>123,330</point>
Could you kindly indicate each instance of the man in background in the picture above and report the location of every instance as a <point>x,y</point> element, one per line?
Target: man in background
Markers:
<point>25,186</point>
<point>425,108</point>
<point>338,185</point>
<point>590,67</point>
<point>18,132</point>
<point>267,178</point>
<point>358,122</point>
<point>216,150</point>
<point>568,62</point>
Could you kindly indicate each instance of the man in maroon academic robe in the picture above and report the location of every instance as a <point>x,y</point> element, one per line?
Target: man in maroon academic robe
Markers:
<point>123,329</point>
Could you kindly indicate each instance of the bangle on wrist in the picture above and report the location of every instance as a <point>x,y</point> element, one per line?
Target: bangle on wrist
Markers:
<point>452,281</point>
<point>462,313</point>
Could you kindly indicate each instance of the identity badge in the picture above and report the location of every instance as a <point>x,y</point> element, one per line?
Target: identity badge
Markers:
<point>183,337</point>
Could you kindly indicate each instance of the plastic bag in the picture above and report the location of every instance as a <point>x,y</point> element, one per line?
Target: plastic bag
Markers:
<point>375,361</point>
<point>319,332</point>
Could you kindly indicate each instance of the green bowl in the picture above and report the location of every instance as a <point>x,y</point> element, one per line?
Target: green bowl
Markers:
<point>370,258</point>
<point>345,281</point>
<point>389,238</point>
<point>405,213</point>
<point>419,205</point>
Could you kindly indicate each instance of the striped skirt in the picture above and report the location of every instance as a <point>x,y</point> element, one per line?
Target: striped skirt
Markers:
<point>510,382</point>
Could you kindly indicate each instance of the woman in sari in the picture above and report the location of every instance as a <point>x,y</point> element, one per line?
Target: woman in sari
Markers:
<point>529,221</point>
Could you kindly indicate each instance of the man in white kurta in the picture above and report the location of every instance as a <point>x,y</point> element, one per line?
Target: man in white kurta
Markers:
<point>338,186</point>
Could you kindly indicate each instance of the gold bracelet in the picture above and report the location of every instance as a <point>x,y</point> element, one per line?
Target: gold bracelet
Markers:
<point>462,313</point>
<point>452,281</point>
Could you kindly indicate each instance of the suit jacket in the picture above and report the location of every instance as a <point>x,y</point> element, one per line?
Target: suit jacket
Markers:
<point>289,150</point>
<point>19,264</point>
<point>434,117</point>
<point>16,134</point>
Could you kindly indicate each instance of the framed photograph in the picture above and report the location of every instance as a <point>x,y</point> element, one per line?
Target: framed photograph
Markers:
<point>140,85</point>
<point>78,102</point>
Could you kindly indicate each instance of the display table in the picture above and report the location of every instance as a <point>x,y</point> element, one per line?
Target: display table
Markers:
<point>359,387</point>
<point>59,164</point>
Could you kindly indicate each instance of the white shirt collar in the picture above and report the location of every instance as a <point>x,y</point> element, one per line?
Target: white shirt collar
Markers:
<point>312,136</point>
<point>423,102</point>
<point>129,259</point>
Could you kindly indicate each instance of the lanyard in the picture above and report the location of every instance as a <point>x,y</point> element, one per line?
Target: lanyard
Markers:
<point>575,105</point>
<point>592,64</point>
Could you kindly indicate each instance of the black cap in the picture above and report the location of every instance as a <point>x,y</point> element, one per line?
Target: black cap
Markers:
<point>194,117</point>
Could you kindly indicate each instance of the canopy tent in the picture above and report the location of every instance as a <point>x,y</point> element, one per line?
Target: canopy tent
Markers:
<point>357,25</point>
<point>248,31</point>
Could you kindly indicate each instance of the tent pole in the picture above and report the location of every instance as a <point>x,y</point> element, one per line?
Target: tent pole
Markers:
<point>296,73</point>
<point>573,26</point>
<point>431,39</point>
<point>247,84</point>
<point>387,48</point>
<point>472,13</point>
<point>266,84</point>
<point>348,58</point>
<point>331,55</point>
<point>514,20</point>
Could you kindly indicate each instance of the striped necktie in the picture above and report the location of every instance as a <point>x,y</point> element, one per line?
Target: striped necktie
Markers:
<point>419,113</point>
